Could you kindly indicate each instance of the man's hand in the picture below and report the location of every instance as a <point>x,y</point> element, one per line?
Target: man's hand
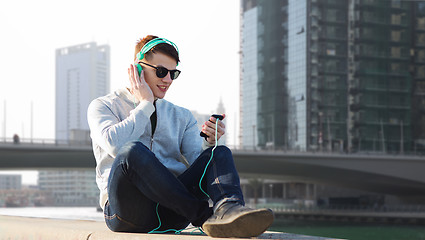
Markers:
<point>139,88</point>
<point>209,129</point>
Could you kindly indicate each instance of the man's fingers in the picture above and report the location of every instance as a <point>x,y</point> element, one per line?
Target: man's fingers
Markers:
<point>211,124</point>
<point>140,78</point>
<point>209,129</point>
<point>221,124</point>
<point>130,76</point>
<point>136,75</point>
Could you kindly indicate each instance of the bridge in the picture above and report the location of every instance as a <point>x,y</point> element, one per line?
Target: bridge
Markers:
<point>388,174</point>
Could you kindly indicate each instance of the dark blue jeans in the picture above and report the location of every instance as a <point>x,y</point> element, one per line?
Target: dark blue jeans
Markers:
<point>138,181</point>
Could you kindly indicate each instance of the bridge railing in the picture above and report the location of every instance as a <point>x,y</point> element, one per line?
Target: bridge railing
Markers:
<point>347,208</point>
<point>65,142</point>
<point>312,151</point>
<point>43,141</point>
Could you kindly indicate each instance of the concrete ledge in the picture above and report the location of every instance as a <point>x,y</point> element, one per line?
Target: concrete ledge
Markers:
<point>39,228</point>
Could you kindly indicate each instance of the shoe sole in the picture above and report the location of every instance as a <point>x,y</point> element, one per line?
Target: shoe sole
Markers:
<point>250,224</point>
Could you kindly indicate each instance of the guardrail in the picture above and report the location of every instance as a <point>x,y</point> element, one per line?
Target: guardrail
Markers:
<point>44,141</point>
<point>348,208</point>
<point>65,142</point>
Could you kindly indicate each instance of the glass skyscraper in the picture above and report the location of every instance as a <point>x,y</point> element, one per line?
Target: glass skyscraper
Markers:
<point>250,77</point>
<point>335,75</point>
<point>263,71</point>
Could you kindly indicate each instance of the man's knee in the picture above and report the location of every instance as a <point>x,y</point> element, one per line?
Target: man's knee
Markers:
<point>223,149</point>
<point>222,152</point>
<point>133,151</point>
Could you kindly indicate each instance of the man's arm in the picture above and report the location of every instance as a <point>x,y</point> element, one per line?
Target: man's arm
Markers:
<point>192,144</point>
<point>109,132</point>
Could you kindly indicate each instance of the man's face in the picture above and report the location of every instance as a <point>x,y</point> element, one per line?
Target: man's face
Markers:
<point>159,86</point>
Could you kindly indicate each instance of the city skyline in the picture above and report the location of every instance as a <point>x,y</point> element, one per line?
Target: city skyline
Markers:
<point>320,127</point>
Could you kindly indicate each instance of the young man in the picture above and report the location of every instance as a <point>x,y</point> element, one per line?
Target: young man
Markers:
<point>155,173</point>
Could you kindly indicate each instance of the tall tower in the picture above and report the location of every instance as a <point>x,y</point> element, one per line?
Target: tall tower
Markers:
<point>418,73</point>
<point>249,74</point>
<point>82,74</point>
<point>264,64</point>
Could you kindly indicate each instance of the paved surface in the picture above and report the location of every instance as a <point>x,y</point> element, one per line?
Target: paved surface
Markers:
<point>38,228</point>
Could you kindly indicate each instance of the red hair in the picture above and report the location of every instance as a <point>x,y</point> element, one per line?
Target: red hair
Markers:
<point>163,48</point>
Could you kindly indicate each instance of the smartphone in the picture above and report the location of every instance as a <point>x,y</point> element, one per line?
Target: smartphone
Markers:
<point>216,116</point>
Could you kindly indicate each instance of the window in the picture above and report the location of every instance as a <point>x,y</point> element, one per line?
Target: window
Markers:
<point>331,65</point>
<point>331,30</point>
<point>421,23</point>
<point>396,19</point>
<point>395,67</point>
<point>331,51</point>
<point>421,9</point>
<point>331,14</point>
<point>369,32</point>
<point>421,56</point>
<point>396,3</point>
<point>369,49</point>
<point>421,39</point>
<point>395,52</point>
<point>370,2</point>
<point>420,72</point>
<point>396,36</point>
<point>420,86</point>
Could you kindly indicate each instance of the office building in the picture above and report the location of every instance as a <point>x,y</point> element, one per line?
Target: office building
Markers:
<point>82,74</point>
<point>417,70</point>
<point>249,76</point>
<point>263,96</point>
<point>70,187</point>
<point>10,182</point>
<point>334,75</point>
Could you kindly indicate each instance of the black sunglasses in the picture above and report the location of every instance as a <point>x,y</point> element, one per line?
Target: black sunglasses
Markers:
<point>161,72</point>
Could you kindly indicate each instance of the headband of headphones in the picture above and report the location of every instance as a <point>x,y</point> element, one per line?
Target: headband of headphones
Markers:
<point>152,43</point>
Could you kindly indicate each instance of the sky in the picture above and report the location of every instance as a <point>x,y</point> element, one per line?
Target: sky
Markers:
<point>206,33</point>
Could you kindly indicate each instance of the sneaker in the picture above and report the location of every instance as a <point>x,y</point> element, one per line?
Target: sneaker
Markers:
<point>234,220</point>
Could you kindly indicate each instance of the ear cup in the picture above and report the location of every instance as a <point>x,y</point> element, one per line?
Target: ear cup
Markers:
<point>139,69</point>
<point>140,56</point>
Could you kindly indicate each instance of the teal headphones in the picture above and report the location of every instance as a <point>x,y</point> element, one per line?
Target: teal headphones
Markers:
<point>148,46</point>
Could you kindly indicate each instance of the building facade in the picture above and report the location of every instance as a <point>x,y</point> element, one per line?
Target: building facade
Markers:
<point>82,74</point>
<point>249,75</point>
<point>70,187</point>
<point>10,182</point>
<point>335,75</point>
